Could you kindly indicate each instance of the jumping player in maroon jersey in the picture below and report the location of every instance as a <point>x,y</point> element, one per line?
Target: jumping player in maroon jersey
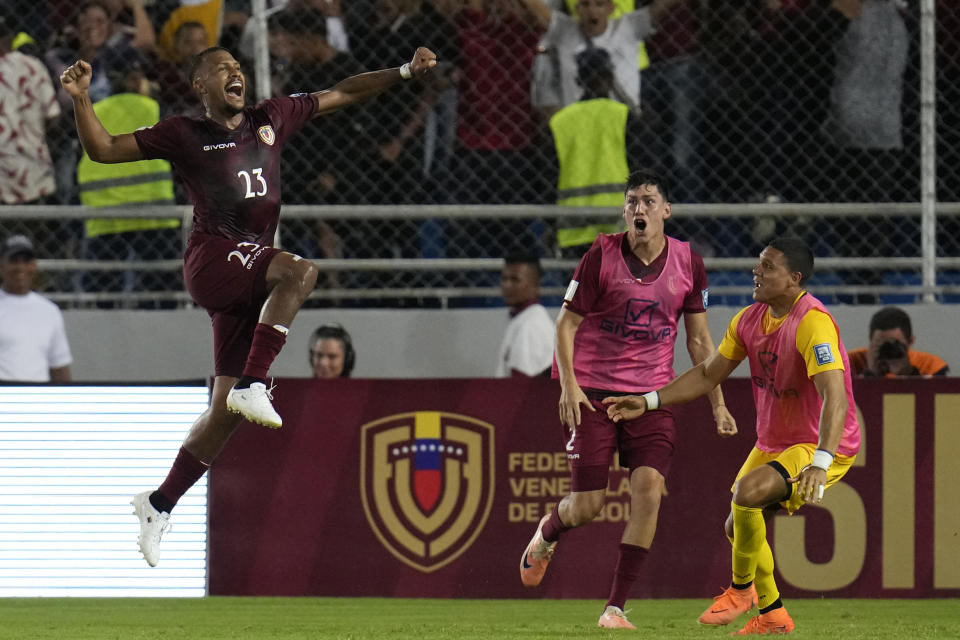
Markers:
<point>229,160</point>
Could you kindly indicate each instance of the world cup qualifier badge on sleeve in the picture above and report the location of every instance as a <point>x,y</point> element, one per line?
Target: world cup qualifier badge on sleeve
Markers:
<point>824,353</point>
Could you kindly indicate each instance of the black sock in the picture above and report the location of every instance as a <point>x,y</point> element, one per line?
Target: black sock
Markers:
<point>245,381</point>
<point>776,605</point>
<point>160,503</point>
<point>741,587</point>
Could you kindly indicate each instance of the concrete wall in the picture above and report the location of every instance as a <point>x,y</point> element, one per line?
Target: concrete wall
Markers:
<point>143,346</point>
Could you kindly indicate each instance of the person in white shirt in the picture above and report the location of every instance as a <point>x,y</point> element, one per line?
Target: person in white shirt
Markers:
<point>33,341</point>
<point>527,346</point>
<point>621,37</point>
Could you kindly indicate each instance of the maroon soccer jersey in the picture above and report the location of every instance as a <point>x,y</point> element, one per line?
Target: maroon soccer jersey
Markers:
<point>233,176</point>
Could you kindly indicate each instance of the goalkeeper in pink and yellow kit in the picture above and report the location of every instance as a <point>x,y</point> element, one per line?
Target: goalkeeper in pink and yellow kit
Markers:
<point>807,429</point>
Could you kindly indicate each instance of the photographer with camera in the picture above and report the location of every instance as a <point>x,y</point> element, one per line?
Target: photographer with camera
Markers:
<point>889,354</point>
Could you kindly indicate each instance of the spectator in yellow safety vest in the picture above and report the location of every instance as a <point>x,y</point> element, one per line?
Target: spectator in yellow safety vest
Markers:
<point>128,185</point>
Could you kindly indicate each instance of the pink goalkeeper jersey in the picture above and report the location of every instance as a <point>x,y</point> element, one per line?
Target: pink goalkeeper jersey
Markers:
<point>625,342</point>
<point>788,405</point>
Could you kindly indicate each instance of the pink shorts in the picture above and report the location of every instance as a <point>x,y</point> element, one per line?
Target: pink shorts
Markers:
<point>644,442</point>
<point>229,280</point>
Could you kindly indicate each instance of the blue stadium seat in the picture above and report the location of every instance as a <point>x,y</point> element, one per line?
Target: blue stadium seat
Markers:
<point>742,280</point>
<point>484,279</point>
<point>827,279</point>
<point>951,278</point>
<point>553,279</point>
<point>902,279</point>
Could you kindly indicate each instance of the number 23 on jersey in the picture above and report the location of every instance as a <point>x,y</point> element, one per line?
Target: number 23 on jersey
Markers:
<point>254,182</point>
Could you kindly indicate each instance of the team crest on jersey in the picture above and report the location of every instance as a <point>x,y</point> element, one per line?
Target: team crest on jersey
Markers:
<point>426,482</point>
<point>266,134</point>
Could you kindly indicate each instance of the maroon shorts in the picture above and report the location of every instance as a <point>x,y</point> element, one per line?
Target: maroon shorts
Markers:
<point>229,280</point>
<point>644,442</point>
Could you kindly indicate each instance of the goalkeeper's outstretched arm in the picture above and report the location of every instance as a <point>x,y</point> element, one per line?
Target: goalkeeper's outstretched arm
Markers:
<point>689,385</point>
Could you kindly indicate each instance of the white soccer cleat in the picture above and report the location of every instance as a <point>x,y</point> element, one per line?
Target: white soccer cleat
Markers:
<point>153,524</point>
<point>614,618</point>
<point>254,405</point>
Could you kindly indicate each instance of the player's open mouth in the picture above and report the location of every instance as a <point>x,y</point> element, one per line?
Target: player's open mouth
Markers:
<point>235,89</point>
<point>640,225</point>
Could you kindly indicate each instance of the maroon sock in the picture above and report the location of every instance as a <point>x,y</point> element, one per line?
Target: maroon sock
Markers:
<point>266,344</point>
<point>553,528</point>
<point>184,473</point>
<point>629,561</point>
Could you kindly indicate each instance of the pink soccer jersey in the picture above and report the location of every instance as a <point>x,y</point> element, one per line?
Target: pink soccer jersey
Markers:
<point>788,405</point>
<point>627,338</point>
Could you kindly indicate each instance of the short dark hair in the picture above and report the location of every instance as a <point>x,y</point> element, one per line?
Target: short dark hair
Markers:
<point>892,318</point>
<point>594,69</point>
<point>649,177</point>
<point>524,257</point>
<point>94,3</point>
<point>119,73</point>
<point>198,59</point>
<point>336,332</point>
<point>798,255</point>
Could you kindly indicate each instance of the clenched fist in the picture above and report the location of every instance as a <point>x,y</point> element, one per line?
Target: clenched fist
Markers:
<point>423,61</point>
<point>76,78</point>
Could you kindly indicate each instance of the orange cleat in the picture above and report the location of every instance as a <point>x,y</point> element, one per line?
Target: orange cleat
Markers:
<point>776,621</point>
<point>728,606</point>
<point>614,618</point>
<point>536,557</point>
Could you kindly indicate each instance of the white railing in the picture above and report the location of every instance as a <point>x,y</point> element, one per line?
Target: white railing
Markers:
<point>926,263</point>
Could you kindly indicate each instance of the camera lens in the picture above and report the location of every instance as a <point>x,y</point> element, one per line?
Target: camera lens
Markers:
<point>892,350</point>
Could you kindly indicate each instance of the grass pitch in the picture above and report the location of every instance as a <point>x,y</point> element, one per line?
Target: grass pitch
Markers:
<point>374,618</point>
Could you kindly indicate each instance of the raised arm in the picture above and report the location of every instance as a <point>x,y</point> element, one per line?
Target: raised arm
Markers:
<point>96,141</point>
<point>364,86</point>
<point>145,36</point>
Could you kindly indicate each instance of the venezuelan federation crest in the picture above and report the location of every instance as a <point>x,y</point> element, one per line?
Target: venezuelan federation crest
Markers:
<point>426,481</point>
<point>266,134</point>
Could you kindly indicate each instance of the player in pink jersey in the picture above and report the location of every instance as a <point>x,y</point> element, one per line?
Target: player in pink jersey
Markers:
<point>229,160</point>
<point>616,335</point>
<point>807,430</point>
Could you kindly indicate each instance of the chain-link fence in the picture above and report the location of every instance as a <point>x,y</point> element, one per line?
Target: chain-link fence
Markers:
<point>744,105</point>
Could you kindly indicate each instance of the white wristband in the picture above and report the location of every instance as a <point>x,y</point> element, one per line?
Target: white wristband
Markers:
<point>822,459</point>
<point>405,71</point>
<point>653,400</point>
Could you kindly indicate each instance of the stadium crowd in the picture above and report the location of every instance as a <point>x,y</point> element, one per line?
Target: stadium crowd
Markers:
<point>758,101</point>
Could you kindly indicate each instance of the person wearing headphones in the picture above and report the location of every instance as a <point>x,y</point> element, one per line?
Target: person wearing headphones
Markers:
<point>331,352</point>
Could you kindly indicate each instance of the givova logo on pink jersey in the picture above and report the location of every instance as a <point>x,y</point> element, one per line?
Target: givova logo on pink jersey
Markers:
<point>426,482</point>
